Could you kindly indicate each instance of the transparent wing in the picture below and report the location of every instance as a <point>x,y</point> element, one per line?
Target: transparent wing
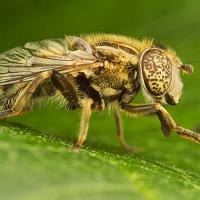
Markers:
<point>64,55</point>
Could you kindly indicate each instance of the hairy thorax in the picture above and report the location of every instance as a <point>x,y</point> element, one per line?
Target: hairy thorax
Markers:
<point>109,83</point>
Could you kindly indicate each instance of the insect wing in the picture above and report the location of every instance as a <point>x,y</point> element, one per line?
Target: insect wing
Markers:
<point>25,63</point>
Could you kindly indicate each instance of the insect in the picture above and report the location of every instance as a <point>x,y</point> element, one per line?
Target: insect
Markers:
<point>95,72</point>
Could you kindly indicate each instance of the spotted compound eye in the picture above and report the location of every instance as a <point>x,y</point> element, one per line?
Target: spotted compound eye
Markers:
<point>156,71</point>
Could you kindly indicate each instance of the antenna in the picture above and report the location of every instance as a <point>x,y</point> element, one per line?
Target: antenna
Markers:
<point>187,68</point>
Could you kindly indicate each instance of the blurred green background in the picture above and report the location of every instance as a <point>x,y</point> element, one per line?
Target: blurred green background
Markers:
<point>37,164</point>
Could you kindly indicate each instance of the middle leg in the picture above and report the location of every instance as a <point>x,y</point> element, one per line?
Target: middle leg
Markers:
<point>120,132</point>
<point>85,119</point>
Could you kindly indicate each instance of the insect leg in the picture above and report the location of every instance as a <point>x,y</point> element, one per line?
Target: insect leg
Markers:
<point>120,132</point>
<point>167,122</point>
<point>86,113</point>
<point>65,84</point>
<point>25,95</point>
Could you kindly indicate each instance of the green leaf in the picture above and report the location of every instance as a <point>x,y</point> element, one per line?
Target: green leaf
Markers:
<point>35,165</point>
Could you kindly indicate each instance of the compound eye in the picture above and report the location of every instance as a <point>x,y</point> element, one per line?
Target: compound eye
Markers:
<point>156,71</point>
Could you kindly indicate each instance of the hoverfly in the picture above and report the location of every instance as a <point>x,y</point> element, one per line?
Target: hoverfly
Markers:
<point>94,72</point>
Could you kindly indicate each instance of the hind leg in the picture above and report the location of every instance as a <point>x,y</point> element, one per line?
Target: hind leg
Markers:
<point>24,96</point>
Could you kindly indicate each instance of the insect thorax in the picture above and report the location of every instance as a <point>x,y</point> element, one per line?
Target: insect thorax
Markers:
<point>118,74</point>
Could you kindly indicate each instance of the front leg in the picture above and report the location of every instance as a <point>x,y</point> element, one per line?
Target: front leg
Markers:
<point>167,122</point>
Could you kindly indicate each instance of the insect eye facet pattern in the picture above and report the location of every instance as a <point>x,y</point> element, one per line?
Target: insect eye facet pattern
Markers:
<point>95,72</point>
<point>156,71</point>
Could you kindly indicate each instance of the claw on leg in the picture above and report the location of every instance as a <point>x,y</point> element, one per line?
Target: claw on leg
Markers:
<point>76,148</point>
